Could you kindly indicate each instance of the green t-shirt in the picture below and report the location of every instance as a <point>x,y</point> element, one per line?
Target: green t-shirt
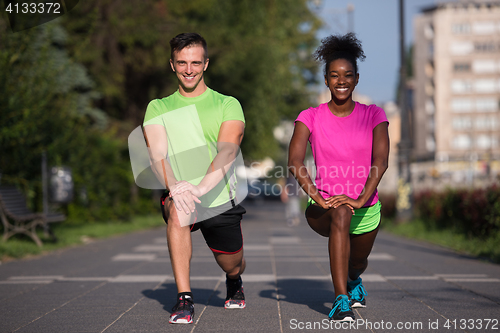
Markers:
<point>192,126</point>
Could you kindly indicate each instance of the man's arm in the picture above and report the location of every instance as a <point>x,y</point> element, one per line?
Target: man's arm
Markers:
<point>228,144</point>
<point>156,140</point>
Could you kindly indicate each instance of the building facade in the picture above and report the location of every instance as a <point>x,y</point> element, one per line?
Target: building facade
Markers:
<point>456,118</point>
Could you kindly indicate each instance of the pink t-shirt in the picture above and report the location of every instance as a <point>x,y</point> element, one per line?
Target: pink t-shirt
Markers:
<point>342,148</point>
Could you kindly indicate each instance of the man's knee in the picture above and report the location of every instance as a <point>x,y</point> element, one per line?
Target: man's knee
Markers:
<point>175,218</point>
<point>237,269</point>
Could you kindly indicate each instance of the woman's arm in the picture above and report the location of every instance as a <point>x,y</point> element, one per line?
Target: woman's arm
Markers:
<point>296,155</point>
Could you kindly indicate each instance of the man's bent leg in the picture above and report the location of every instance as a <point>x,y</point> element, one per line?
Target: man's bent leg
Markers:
<point>223,236</point>
<point>232,264</point>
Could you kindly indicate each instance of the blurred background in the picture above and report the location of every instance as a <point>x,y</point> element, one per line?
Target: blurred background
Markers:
<point>74,88</point>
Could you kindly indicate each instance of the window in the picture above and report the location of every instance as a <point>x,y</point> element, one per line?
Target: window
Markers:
<point>482,123</point>
<point>484,47</point>
<point>483,142</point>
<point>461,28</point>
<point>429,69</point>
<point>461,67</point>
<point>429,31</point>
<point>461,123</point>
<point>430,143</point>
<point>485,86</point>
<point>430,108</point>
<point>431,50</point>
<point>486,123</point>
<point>462,142</point>
<point>486,104</point>
<point>484,28</point>
<point>431,124</point>
<point>461,86</point>
<point>459,105</point>
<point>484,66</point>
<point>461,48</point>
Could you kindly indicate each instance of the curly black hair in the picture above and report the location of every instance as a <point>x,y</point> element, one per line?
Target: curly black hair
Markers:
<point>340,47</point>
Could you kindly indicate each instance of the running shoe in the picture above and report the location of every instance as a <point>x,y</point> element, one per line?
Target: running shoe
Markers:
<point>235,298</point>
<point>356,293</point>
<point>183,311</point>
<point>341,310</point>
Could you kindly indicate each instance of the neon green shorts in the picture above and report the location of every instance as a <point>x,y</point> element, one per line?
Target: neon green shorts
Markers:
<point>364,220</point>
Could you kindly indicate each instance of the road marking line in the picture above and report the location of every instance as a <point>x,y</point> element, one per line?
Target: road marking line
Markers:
<point>151,248</point>
<point>27,282</point>
<point>36,277</point>
<point>380,256</point>
<point>134,257</point>
<point>412,277</point>
<point>140,278</point>
<point>246,277</point>
<point>472,280</point>
<point>461,275</point>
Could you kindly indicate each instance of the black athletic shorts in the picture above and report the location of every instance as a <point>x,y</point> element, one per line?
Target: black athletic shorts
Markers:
<point>222,232</point>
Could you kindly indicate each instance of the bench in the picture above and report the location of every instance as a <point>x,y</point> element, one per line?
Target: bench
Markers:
<point>18,219</point>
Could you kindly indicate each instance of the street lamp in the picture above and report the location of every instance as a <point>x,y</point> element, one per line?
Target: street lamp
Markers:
<point>404,195</point>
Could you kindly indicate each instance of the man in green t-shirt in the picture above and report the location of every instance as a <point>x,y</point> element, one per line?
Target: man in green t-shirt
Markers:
<point>193,138</point>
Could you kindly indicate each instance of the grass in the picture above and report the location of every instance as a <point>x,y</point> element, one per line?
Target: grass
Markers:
<point>484,248</point>
<point>20,246</point>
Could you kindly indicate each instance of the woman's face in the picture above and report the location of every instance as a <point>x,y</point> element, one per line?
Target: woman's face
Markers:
<point>341,79</point>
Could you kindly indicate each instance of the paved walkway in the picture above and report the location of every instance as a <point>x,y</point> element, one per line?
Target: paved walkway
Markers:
<point>125,284</point>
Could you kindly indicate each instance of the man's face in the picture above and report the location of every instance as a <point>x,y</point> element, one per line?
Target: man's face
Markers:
<point>189,65</point>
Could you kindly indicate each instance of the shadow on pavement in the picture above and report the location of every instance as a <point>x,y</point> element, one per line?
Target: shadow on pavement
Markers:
<point>317,295</point>
<point>166,295</point>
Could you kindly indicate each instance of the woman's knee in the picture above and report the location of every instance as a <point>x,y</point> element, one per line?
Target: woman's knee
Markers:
<point>340,217</point>
<point>358,263</point>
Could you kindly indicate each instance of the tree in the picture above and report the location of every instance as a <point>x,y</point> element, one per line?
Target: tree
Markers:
<point>259,52</point>
<point>46,102</point>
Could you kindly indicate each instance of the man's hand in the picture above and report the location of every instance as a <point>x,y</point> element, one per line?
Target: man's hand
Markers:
<point>185,201</point>
<point>183,186</point>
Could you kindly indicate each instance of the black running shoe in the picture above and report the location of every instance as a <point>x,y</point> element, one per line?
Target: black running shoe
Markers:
<point>235,298</point>
<point>183,311</point>
<point>341,310</point>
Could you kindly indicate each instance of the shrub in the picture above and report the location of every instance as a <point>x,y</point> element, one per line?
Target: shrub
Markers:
<point>475,212</point>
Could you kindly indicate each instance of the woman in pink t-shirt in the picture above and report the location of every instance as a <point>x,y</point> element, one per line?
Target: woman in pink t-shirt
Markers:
<point>350,145</point>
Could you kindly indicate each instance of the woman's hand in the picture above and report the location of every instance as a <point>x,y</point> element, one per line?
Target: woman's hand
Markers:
<point>343,199</point>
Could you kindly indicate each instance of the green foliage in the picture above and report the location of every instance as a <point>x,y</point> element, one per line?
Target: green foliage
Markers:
<point>77,86</point>
<point>68,234</point>
<point>473,212</point>
<point>388,209</point>
<point>485,247</point>
<point>46,101</point>
<point>259,52</point>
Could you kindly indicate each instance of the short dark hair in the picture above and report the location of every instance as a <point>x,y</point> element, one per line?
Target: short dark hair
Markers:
<point>187,39</point>
<point>335,47</point>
